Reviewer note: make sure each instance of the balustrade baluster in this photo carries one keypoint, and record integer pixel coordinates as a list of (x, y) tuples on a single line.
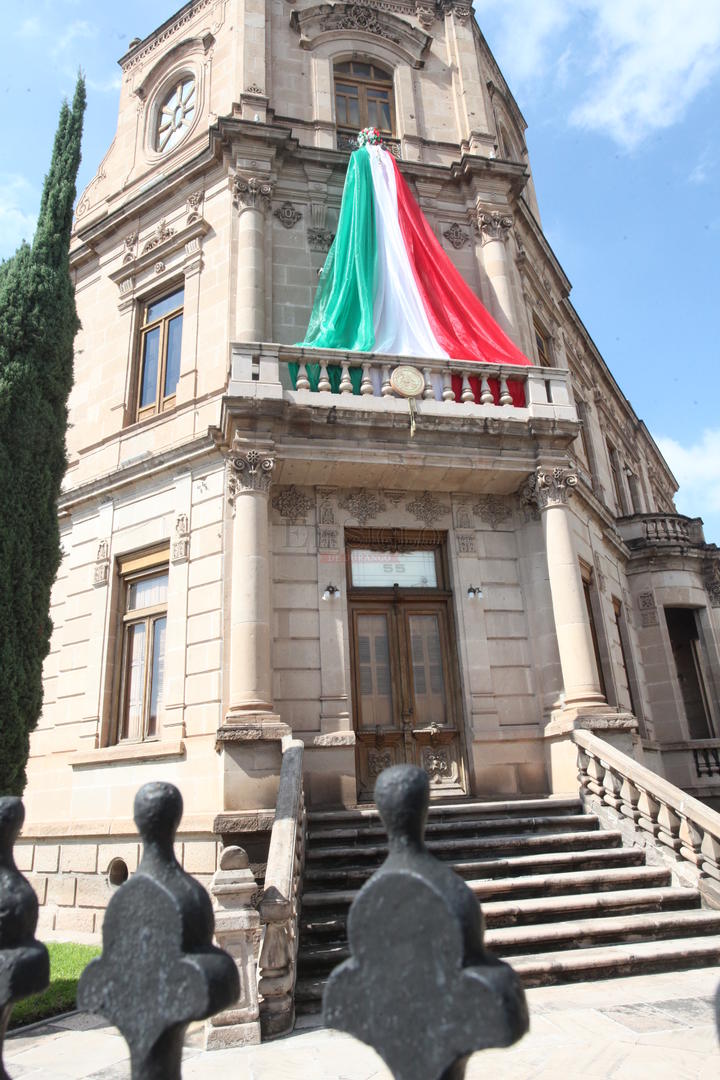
[(324, 381), (612, 784), (505, 395), (669, 827), (448, 393), (302, 382), (486, 395), (386, 390), (345, 380), (690, 838), (366, 386), (429, 391), (649, 809), (467, 396)]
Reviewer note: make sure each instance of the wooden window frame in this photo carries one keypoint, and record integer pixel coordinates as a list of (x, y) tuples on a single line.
[(133, 568), (363, 84), (544, 354), (161, 403)]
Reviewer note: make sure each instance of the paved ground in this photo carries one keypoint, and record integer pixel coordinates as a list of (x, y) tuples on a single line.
[(658, 1026)]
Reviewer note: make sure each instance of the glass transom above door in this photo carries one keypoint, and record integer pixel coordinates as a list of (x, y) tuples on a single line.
[(383, 569)]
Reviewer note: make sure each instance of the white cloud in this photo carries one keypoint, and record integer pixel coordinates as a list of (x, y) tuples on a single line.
[(638, 64), (697, 470), (104, 86), (79, 30), (30, 28), (16, 222), (704, 168)]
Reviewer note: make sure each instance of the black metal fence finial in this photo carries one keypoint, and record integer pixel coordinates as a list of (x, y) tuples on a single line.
[(419, 986), (158, 970), (24, 962)]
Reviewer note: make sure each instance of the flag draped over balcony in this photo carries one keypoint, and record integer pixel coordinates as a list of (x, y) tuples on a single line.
[(388, 286)]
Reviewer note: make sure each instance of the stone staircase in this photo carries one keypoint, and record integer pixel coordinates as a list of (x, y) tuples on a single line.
[(563, 899)]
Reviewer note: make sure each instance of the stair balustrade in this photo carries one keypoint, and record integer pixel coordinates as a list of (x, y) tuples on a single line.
[(653, 808), (279, 905)]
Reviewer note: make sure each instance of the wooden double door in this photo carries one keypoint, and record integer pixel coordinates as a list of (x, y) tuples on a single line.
[(406, 689)]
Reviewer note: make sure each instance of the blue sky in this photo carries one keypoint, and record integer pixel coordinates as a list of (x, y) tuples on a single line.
[(621, 98)]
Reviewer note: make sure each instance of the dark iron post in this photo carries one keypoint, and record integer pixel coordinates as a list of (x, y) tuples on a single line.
[(419, 986), (24, 962), (159, 969)]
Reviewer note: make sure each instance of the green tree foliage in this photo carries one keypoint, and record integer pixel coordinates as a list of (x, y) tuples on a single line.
[(38, 322)]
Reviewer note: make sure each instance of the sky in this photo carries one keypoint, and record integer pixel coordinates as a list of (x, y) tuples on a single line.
[(621, 98)]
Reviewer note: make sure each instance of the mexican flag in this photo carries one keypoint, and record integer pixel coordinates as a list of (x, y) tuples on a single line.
[(388, 286)]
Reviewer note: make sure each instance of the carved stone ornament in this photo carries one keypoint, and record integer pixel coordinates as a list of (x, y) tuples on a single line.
[(378, 760), (426, 508), (101, 569), (490, 224), (160, 266), (380, 18), (362, 505), (553, 487), (456, 236), (355, 17), (250, 470), (181, 543), (192, 206), (130, 245), (648, 609), (426, 13), (287, 215), (600, 578), (328, 538), (493, 509), (251, 192), (712, 582), (466, 543), (326, 514), (162, 233), (292, 504), (253, 88), (320, 239)]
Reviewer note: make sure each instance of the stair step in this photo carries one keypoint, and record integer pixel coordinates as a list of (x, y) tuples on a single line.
[(612, 961), (545, 804), (612, 877), (476, 826), (489, 868), (511, 842)]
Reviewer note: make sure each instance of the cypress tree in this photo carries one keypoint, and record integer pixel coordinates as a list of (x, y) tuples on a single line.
[(38, 323)]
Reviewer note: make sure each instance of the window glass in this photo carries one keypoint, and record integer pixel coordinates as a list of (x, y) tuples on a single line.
[(375, 684), (161, 307), (383, 569), (147, 592), (150, 360), (157, 675), (176, 114), (427, 669), (172, 367), (134, 682)]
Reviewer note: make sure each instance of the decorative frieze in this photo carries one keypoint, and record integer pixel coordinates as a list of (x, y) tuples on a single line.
[(362, 505), (426, 508), (493, 509), (250, 470), (162, 233), (320, 239), (456, 236), (181, 542), (101, 569), (287, 215), (553, 487), (292, 504), (251, 192)]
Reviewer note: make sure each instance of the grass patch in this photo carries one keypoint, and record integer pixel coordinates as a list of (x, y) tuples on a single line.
[(67, 963)]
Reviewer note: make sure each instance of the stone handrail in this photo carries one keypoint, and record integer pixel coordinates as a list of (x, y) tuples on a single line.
[(279, 904), (262, 370), (641, 530), (684, 825)]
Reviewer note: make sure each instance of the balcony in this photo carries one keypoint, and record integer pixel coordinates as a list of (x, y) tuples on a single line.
[(661, 531), (360, 383)]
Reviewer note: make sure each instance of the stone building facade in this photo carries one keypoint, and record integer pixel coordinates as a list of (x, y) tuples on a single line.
[(235, 544)]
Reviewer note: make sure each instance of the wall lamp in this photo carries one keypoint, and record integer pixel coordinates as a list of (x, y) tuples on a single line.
[(474, 593), (331, 591)]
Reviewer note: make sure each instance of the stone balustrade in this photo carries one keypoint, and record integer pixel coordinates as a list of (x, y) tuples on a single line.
[(651, 807), (279, 905), (651, 530), (362, 381)]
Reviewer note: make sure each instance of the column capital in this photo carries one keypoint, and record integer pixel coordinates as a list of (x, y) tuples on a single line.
[(249, 470), (553, 487), (490, 224), (251, 192)]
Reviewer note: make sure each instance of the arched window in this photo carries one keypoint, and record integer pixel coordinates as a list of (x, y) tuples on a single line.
[(363, 97)]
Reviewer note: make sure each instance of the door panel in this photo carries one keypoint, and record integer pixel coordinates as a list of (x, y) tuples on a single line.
[(404, 691)]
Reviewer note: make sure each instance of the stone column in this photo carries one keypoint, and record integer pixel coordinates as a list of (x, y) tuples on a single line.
[(552, 488), (493, 228), (251, 197), (250, 614)]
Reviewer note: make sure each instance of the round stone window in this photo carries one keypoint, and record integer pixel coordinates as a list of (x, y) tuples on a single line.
[(175, 115)]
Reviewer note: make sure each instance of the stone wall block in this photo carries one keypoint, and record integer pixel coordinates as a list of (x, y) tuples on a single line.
[(75, 920), (61, 890), (93, 891), (81, 858), (47, 858)]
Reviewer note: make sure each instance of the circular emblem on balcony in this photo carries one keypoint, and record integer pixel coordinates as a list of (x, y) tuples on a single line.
[(407, 381)]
